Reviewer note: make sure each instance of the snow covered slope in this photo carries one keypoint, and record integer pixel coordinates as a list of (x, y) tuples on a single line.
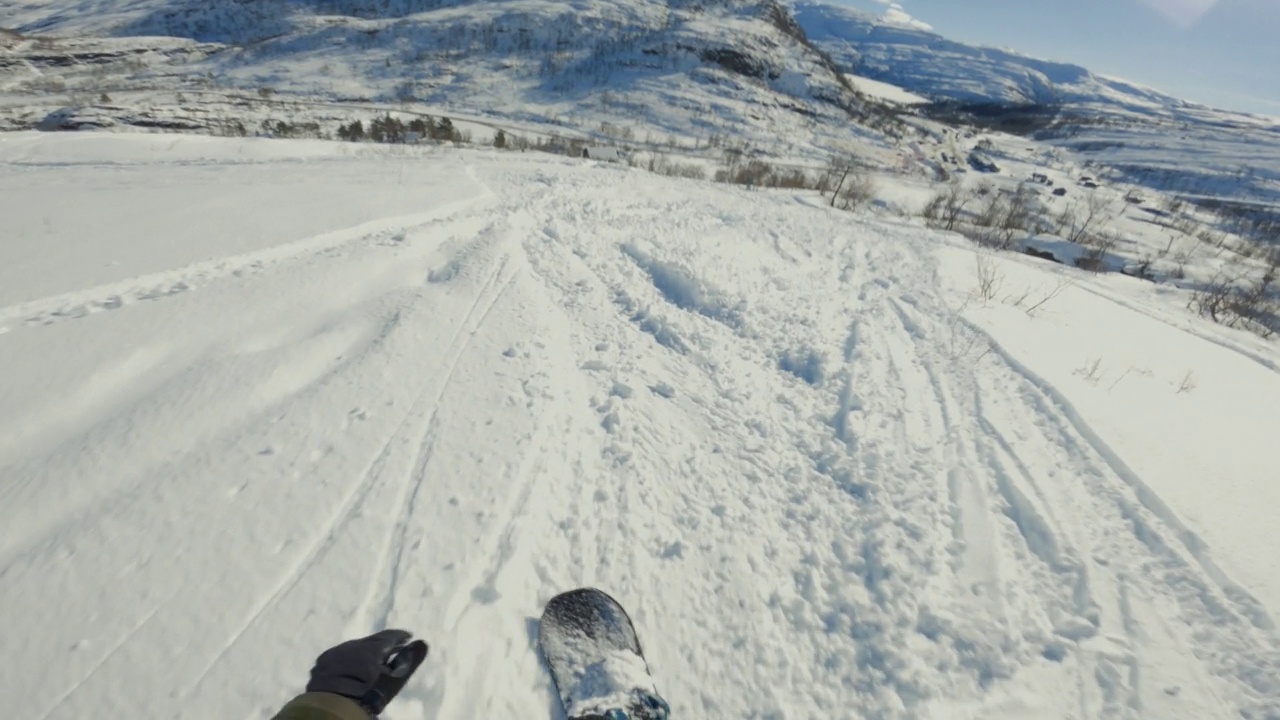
[(311, 389)]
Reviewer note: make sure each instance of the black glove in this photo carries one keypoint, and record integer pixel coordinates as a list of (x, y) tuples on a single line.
[(370, 670)]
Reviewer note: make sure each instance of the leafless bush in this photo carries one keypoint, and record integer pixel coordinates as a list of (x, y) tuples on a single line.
[(663, 165), (1099, 245), (856, 191), (758, 173), (1058, 289), (1002, 218), (1188, 383), (1079, 222), (947, 206), (989, 280), (1238, 298), (47, 84), (1091, 371)]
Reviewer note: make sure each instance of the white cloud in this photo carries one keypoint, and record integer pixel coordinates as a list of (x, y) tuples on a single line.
[(1183, 13), (895, 15)]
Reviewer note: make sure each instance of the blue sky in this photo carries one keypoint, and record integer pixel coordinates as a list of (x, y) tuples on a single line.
[(1224, 53)]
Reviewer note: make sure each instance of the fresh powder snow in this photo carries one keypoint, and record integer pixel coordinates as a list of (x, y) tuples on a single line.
[(261, 396)]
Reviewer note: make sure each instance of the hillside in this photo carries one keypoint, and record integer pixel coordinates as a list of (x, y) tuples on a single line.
[(434, 389), (925, 62), (1148, 137), (741, 69)]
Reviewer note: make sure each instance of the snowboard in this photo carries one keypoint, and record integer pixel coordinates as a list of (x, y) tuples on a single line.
[(595, 659)]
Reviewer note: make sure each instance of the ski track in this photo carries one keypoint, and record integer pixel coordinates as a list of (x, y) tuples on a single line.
[(158, 286), (914, 520), (392, 555)]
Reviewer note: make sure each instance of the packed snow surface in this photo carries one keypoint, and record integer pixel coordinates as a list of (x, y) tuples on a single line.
[(261, 396)]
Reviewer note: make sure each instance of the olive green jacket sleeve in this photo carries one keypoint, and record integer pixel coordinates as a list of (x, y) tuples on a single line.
[(321, 706)]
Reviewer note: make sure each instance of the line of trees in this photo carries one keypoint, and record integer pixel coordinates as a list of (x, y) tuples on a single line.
[(389, 129)]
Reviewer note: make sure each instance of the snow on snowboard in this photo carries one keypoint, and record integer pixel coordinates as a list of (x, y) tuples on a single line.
[(595, 659)]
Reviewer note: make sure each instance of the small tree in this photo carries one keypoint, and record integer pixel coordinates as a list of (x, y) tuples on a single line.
[(839, 167), (1079, 224), (857, 190), (395, 130), (1004, 217), (377, 130), (945, 208), (353, 132), (443, 130), (500, 140)]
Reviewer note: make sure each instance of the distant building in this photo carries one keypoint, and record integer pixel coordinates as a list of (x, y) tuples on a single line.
[(605, 154)]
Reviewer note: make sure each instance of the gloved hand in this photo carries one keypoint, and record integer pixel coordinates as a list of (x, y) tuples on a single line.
[(370, 670)]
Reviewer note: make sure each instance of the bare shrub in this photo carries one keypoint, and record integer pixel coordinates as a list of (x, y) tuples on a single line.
[(1187, 384), (1238, 298), (793, 179), (1057, 290), (1099, 247), (1002, 218), (857, 191), (1078, 222), (758, 173), (989, 280), (1091, 371), (946, 207), (663, 165)]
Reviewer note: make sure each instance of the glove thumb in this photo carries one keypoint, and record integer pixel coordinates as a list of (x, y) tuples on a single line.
[(396, 671)]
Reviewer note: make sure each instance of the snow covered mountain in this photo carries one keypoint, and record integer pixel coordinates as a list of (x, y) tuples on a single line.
[(1149, 137), (927, 63), (689, 68)]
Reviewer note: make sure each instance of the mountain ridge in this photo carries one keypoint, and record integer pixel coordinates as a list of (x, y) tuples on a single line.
[(928, 63), (769, 77)]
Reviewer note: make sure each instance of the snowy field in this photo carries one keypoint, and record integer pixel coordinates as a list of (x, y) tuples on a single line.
[(260, 396)]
